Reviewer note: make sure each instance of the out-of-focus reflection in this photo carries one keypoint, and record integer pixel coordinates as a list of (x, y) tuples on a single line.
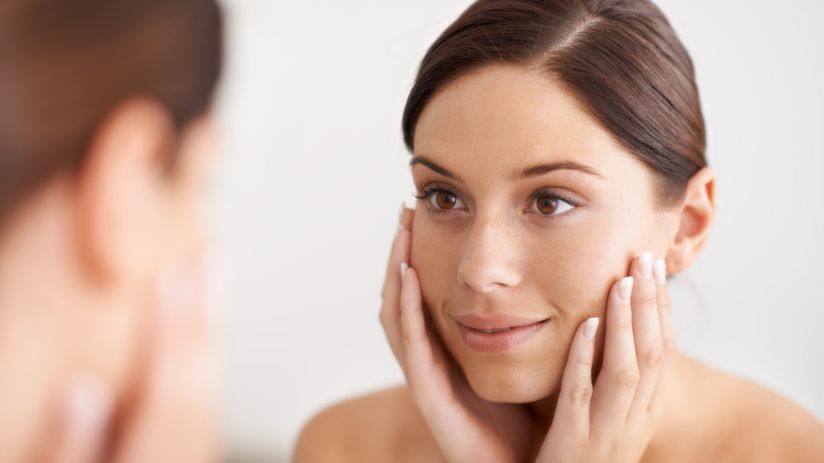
[(106, 136)]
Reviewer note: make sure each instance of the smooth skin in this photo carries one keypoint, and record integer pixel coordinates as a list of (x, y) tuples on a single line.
[(436, 417), (529, 207), (614, 420)]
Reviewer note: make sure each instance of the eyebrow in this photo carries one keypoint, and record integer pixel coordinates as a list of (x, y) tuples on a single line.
[(424, 161), (542, 169), (533, 171)]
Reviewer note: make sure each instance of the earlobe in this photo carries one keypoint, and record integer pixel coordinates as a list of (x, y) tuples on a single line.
[(117, 187), (696, 214)]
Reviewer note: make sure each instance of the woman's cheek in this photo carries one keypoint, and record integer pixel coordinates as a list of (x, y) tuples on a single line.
[(430, 256), (584, 267)]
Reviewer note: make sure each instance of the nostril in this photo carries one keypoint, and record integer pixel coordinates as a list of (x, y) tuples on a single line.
[(488, 279)]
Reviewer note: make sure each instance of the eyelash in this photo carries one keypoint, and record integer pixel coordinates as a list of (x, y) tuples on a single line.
[(427, 192)]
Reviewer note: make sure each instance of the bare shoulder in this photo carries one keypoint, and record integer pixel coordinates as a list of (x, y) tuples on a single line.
[(780, 427), (762, 425), (382, 426)]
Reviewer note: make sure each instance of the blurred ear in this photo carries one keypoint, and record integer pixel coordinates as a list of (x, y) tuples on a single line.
[(121, 189), (695, 213)]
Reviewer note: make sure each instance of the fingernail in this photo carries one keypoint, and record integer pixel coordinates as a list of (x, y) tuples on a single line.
[(403, 209), (404, 266), (660, 271), (625, 288), (645, 265), (590, 327), (87, 408)]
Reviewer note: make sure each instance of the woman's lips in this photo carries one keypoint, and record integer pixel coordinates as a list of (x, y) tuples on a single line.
[(498, 333)]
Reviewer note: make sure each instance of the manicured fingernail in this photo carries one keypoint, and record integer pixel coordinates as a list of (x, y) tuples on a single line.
[(645, 265), (590, 327), (404, 266), (659, 269), (87, 408), (625, 288)]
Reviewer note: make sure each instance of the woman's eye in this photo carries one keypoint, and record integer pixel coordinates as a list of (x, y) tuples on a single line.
[(552, 205), (441, 199)]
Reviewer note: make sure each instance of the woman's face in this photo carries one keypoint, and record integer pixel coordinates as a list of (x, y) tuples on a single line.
[(529, 210)]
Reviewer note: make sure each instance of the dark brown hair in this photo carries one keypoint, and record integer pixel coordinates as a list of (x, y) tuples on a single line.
[(65, 64), (621, 58)]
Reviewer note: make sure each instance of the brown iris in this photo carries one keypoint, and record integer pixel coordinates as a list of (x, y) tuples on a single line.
[(547, 205), (445, 200)]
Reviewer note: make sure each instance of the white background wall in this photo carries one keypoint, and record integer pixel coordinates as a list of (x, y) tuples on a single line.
[(314, 171)]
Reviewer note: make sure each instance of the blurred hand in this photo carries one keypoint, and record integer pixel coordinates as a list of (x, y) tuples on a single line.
[(172, 416)]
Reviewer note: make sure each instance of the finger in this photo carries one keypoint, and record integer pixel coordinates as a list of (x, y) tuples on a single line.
[(668, 339), (175, 415), (428, 378), (392, 276), (390, 307), (619, 374), (647, 331), (426, 372), (81, 428), (572, 411)]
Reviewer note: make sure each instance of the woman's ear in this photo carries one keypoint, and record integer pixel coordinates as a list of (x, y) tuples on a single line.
[(695, 215), (120, 190)]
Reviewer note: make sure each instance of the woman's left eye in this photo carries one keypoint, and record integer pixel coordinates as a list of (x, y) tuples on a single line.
[(552, 205)]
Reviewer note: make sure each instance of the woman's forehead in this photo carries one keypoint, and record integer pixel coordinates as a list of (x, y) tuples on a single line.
[(508, 118)]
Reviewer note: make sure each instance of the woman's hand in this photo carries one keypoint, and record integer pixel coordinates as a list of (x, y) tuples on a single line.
[(611, 422), (466, 427), (173, 413), (614, 421)]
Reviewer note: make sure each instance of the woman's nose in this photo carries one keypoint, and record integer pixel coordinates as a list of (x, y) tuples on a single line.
[(489, 262)]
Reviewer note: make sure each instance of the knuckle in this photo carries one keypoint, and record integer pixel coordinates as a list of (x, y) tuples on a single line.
[(647, 299), (653, 357), (583, 360), (624, 326), (628, 377), (409, 337), (581, 394)]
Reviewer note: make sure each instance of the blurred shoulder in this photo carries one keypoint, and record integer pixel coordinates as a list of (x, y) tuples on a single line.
[(381, 426)]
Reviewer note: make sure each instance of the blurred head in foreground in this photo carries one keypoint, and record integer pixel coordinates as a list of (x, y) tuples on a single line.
[(105, 142)]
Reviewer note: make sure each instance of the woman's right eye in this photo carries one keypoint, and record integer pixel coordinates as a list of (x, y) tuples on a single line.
[(443, 200)]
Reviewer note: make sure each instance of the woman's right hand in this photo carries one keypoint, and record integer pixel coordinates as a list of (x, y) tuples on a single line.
[(467, 428)]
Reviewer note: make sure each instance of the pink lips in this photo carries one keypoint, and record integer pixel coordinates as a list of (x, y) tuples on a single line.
[(494, 334)]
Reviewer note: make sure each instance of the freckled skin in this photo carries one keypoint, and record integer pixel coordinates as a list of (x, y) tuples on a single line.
[(483, 127), (494, 253)]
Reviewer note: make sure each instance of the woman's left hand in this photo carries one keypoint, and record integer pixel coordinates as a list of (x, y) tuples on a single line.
[(614, 420)]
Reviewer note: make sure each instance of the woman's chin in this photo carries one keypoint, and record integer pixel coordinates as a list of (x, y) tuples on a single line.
[(511, 387)]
